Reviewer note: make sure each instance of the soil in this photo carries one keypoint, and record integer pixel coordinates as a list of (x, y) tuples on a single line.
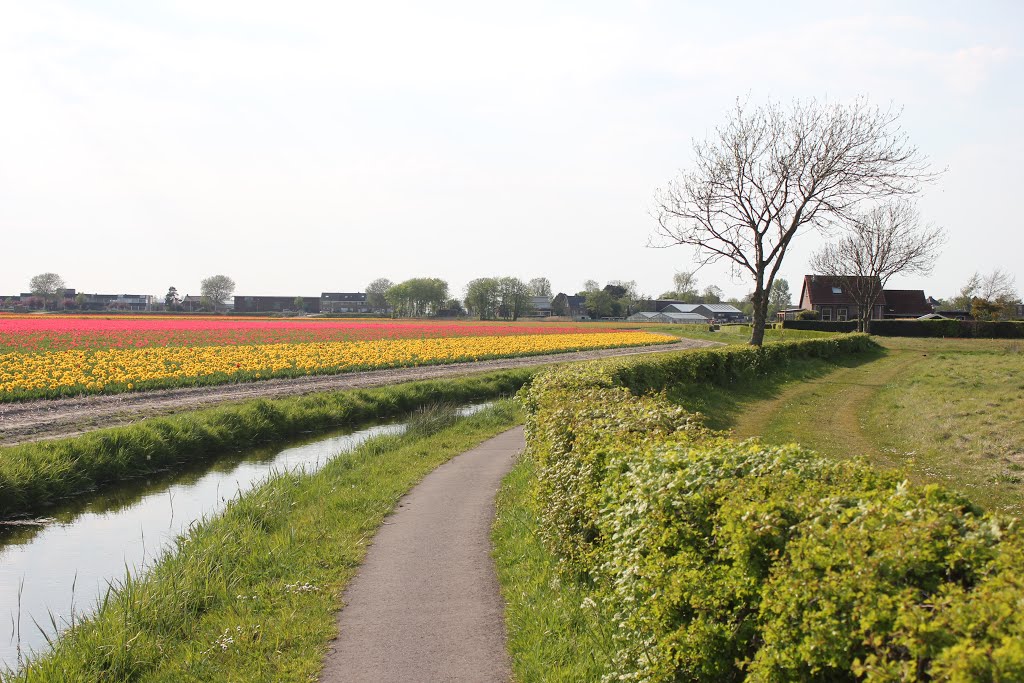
[(59, 418)]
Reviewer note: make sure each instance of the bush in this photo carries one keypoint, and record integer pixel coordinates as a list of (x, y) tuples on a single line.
[(983, 329), (821, 325), (808, 315), (733, 561)]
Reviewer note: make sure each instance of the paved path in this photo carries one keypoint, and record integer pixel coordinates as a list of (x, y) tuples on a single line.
[(425, 605)]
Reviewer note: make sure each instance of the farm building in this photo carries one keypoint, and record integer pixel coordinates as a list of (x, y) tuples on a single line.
[(344, 302), (275, 304), (668, 316)]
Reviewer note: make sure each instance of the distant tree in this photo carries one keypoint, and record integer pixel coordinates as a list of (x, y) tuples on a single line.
[(417, 297), (780, 298), (989, 297), (171, 300), (712, 295), (591, 286), (482, 297), (376, 293), (601, 304), (80, 300), (514, 298), (47, 286), (560, 304), (217, 289), (887, 240), (539, 286), (299, 303), (770, 173), (455, 307)]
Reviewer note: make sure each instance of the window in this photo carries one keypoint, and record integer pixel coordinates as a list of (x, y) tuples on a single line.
[(837, 290), (826, 313), (841, 313)]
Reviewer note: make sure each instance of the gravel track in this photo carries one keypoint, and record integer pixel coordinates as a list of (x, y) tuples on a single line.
[(58, 418)]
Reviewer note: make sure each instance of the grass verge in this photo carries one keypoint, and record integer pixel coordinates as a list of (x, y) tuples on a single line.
[(251, 595), (554, 632), (35, 476)]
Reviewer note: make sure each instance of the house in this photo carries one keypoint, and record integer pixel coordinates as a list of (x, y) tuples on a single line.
[(830, 297), (540, 306), (570, 305), (192, 303), (344, 302), (1019, 313), (274, 304), (906, 303)]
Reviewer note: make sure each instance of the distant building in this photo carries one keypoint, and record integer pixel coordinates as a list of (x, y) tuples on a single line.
[(275, 304), (540, 306), (720, 313), (669, 316), (344, 302), (572, 306)]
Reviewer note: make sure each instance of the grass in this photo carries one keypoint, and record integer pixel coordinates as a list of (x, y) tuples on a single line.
[(553, 634), (37, 475), (252, 595), (944, 411)]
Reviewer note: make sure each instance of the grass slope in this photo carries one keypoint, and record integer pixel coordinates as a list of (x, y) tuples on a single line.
[(948, 411), (553, 635), (252, 595)]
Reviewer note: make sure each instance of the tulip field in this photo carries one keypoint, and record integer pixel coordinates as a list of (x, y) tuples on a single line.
[(46, 357)]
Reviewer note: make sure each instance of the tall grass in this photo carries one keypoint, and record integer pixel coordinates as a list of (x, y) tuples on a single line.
[(252, 595), (35, 476)]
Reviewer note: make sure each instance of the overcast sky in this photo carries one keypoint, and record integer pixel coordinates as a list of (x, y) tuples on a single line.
[(304, 147)]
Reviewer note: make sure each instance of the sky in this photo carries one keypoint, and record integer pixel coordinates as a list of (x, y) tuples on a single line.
[(305, 147)]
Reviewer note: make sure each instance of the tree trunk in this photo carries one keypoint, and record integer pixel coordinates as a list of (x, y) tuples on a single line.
[(760, 318)]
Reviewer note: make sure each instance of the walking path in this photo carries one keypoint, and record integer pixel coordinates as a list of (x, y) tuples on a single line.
[(425, 605)]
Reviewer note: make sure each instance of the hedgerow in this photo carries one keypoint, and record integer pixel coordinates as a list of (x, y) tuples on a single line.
[(727, 561)]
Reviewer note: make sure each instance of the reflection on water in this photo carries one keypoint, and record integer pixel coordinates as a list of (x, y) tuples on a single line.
[(60, 568)]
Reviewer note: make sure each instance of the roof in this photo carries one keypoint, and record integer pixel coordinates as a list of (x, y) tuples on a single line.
[(540, 302), (680, 308), (574, 300), (721, 308), (643, 315), (909, 302), (823, 289), (689, 317)]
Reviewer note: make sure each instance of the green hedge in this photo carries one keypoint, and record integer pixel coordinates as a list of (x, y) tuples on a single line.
[(821, 325), (984, 329), (727, 561)]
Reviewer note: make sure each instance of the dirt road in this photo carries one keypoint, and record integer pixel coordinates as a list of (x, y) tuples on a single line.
[(57, 418)]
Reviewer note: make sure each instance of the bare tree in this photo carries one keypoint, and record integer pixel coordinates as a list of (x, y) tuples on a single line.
[(769, 172), (540, 286), (218, 289), (887, 240), (47, 286)]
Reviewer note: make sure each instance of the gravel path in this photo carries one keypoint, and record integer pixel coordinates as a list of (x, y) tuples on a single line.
[(425, 604), (57, 418)]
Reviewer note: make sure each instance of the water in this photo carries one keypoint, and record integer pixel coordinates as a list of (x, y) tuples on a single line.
[(55, 572)]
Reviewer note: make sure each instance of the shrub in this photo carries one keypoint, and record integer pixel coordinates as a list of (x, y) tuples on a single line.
[(733, 561), (984, 329)]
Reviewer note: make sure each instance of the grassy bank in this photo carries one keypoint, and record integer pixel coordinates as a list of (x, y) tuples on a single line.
[(35, 476), (251, 595), (554, 632), (730, 334)]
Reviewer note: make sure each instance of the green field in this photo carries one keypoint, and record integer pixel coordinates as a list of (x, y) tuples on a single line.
[(948, 411)]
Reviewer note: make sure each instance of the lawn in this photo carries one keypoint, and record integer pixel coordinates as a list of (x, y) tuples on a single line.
[(947, 411)]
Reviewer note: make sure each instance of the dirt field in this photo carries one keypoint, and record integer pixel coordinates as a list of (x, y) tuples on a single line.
[(52, 419)]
